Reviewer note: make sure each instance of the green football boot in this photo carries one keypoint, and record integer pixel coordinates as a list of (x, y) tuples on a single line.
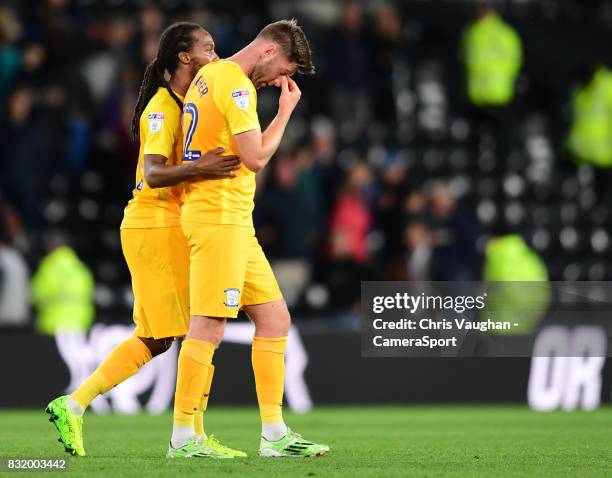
[(69, 425), (291, 445), (195, 447), (214, 444)]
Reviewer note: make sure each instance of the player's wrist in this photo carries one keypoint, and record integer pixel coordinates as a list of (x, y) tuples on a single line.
[(284, 112), (190, 169)]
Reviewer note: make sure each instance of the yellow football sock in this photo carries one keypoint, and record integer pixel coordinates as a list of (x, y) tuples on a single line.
[(198, 418), (193, 369), (268, 357), (123, 362)]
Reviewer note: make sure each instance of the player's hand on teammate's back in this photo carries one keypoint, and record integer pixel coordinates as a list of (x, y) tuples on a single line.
[(213, 165), (290, 95)]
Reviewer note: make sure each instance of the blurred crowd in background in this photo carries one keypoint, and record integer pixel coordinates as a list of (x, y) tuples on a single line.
[(436, 138)]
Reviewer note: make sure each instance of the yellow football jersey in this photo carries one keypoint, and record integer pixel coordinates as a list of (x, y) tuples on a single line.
[(220, 103), (160, 133)]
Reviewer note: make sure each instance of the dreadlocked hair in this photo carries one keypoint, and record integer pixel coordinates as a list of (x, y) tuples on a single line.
[(175, 39)]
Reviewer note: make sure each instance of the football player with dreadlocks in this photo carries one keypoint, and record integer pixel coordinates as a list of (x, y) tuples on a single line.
[(153, 243)]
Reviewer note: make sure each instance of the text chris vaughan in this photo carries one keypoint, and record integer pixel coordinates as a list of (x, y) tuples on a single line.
[(444, 324)]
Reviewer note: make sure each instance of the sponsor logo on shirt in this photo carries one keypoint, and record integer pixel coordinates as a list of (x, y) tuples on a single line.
[(155, 121), (241, 97)]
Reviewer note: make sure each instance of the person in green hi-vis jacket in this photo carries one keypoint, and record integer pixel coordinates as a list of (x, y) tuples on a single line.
[(493, 57), (590, 136), (518, 287), (62, 292)]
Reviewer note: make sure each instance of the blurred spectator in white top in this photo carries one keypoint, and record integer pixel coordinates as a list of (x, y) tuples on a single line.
[(418, 242), (14, 281)]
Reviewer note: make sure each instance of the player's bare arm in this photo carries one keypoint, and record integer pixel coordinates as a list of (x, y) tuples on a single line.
[(211, 165), (256, 148)]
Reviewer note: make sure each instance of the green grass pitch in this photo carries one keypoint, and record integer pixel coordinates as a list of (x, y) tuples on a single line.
[(365, 441)]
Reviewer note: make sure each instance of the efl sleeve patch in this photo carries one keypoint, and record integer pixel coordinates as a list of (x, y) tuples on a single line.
[(241, 98), (155, 121)]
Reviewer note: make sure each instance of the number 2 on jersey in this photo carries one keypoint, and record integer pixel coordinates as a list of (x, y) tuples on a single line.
[(189, 154)]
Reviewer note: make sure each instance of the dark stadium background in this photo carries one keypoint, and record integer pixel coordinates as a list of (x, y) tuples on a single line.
[(384, 144)]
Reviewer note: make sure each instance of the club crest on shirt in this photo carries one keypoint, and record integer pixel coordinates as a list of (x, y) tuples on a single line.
[(241, 97), (232, 297), (155, 121)]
